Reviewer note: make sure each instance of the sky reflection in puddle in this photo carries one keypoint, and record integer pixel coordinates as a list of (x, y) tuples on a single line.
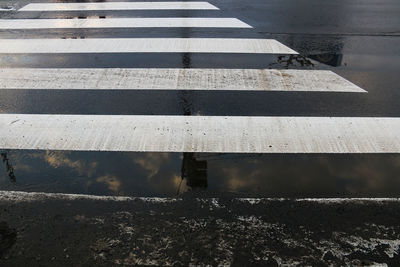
[(160, 174)]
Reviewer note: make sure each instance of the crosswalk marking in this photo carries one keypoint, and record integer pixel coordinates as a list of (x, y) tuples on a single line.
[(122, 23), (175, 79), (143, 45), (173, 5), (200, 133), (6, 9), (21, 196), (211, 134)]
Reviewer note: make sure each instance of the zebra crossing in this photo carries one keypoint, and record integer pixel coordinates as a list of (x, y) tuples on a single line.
[(156, 133), (173, 5), (175, 79), (123, 23), (144, 45), (200, 134)]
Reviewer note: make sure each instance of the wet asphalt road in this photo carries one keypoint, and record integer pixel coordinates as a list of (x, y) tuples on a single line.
[(359, 40), (193, 230)]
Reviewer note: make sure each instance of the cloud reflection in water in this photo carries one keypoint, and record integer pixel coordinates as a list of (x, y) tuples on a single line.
[(160, 174)]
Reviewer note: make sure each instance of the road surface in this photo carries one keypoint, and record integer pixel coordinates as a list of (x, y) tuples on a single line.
[(199, 132)]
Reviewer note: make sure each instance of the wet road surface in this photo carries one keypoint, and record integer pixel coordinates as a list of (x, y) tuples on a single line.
[(357, 40), (86, 230), (364, 51)]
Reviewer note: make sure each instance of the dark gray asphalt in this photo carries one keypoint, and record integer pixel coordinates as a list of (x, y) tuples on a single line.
[(82, 231), (357, 39)]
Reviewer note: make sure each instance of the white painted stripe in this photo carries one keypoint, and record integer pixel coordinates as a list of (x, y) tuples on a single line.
[(7, 9), (21, 196), (173, 5), (122, 23), (200, 133), (254, 201), (176, 79), (143, 45)]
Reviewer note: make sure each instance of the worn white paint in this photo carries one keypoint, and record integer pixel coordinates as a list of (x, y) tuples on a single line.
[(6, 9), (122, 23), (161, 5), (143, 45), (176, 79), (21, 196), (200, 133), (336, 200)]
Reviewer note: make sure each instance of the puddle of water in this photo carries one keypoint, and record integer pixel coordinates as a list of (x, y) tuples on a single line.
[(172, 174)]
